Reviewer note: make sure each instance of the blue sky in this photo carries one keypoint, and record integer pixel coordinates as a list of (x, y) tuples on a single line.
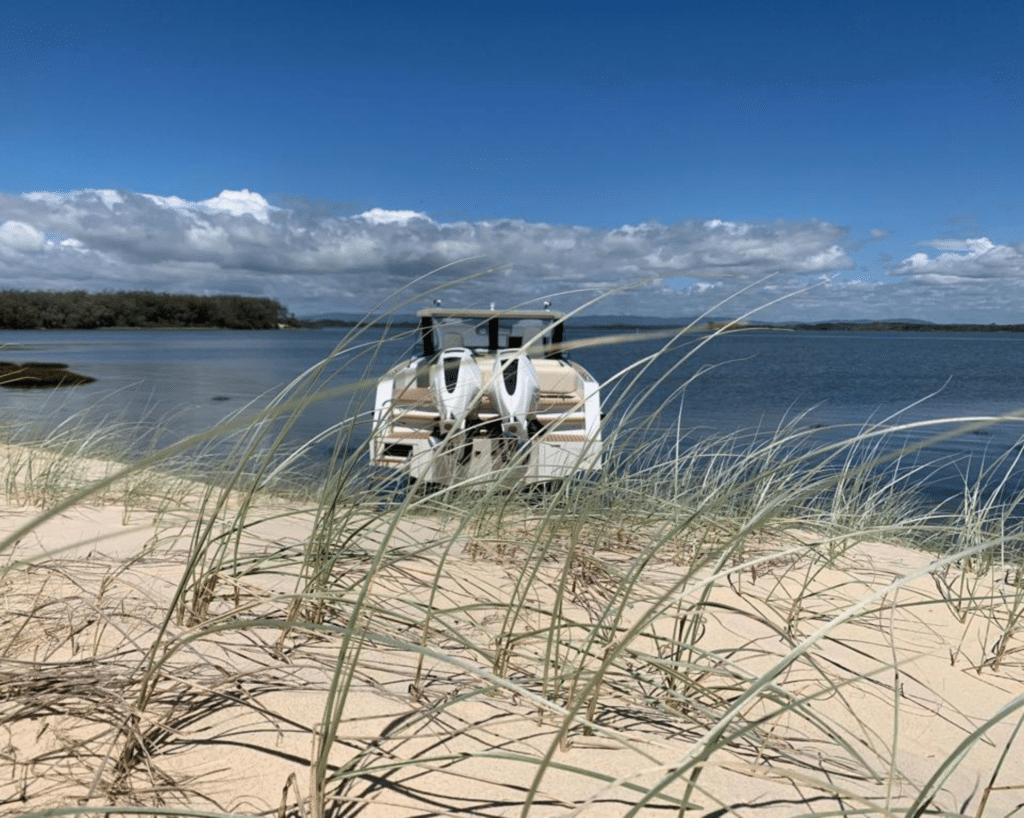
[(860, 159)]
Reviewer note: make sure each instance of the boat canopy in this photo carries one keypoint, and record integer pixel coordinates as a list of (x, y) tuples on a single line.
[(540, 332)]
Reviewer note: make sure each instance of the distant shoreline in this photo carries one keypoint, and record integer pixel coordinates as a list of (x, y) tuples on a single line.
[(820, 326), (625, 323), (896, 326)]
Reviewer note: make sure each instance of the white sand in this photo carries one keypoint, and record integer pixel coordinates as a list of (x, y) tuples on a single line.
[(229, 722)]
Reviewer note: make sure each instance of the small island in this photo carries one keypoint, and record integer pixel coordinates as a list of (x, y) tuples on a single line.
[(138, 309)]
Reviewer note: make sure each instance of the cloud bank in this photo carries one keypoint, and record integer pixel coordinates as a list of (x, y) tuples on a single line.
[(964, 261), (239, 242)]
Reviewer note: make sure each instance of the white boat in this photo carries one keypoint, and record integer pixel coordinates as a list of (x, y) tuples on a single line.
[(493, 394)]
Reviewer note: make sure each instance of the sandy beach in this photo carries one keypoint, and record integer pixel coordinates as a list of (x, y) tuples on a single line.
[(419, 661)]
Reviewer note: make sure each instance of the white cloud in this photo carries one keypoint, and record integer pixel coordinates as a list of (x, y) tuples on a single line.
[(238, 242), (240, 203), (233, 202), (380, 216), (21, 237), (729, 228), (965, 260)]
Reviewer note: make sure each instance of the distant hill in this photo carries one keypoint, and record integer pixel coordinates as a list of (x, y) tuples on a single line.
[(903, 326), (616, 321), (864, 321)]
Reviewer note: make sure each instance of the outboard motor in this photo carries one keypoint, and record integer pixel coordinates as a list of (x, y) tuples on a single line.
[(455, 385), (514, 390)]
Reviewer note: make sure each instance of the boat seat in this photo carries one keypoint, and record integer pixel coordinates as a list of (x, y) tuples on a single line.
[(558, 380), (413, 394)]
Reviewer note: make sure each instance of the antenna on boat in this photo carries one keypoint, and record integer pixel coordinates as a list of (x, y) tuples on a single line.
[(437, 302), (547, 305)]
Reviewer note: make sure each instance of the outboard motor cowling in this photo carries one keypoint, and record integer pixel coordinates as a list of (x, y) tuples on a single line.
[(514, 391), (455, 385)]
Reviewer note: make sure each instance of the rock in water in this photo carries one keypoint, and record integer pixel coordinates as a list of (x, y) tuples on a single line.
[(35, 375)]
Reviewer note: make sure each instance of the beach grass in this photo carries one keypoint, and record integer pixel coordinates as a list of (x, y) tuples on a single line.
[(751, 624)]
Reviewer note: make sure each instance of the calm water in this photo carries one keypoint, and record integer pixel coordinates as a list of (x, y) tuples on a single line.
[(181, 382)]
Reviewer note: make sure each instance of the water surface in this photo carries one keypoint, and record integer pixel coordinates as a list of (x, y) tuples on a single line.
[(181, 382)]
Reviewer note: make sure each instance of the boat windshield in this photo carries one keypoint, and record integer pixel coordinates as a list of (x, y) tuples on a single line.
[(492, 333)]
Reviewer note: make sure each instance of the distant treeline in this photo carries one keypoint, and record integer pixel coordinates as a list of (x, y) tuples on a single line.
[(82, 310)]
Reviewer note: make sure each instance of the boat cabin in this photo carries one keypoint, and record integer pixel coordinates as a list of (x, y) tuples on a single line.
[(539, 331)]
